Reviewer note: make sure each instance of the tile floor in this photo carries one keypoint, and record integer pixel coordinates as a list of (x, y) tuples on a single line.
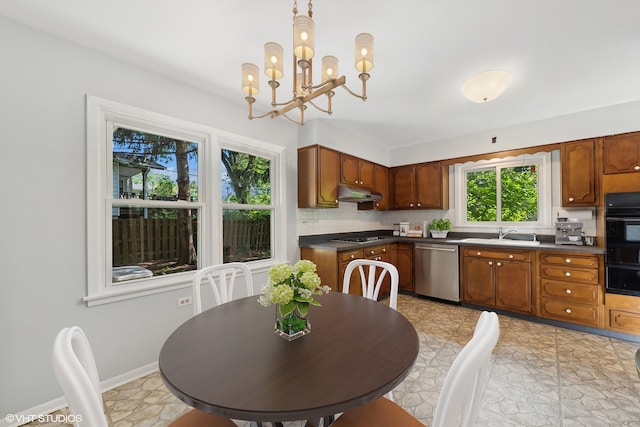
[(539, 375)]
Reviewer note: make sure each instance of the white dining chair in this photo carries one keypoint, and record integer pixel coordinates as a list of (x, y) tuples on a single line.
[(372, 275), (222, 280), (75, 368), (459, 399)]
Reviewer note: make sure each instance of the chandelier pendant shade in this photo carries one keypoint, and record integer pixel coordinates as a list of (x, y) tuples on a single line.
[(304, 91)]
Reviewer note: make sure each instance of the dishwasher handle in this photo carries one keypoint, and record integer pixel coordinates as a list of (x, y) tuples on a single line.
[(436, 248)]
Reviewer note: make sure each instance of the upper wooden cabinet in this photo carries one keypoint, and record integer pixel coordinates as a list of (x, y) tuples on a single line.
[(580, 180), (420, 186), (622, 153), (381, 185), (318, 177), (355, 171)]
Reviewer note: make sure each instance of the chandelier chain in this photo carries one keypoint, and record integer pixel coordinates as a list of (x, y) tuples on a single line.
[(310, 9), (295, 8)]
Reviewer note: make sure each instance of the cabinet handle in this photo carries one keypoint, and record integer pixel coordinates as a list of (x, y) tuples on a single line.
[(384, 249), (373, 252), (335, 201), (568, 260), (568, 274), (353, 256), (490, 262), (419, 205), (567, 310), (411, 204), (636, 168), (568, 291), (478, 253), (510, 256), (571, 199), (499, 264)]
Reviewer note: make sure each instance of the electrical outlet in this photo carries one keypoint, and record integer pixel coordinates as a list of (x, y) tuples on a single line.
[(184, 301)]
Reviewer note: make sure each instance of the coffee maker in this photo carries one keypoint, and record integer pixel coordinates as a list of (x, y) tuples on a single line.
[(568, 232)]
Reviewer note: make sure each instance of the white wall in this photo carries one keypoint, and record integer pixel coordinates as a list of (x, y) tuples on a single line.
[(43, 83), (586, 124)]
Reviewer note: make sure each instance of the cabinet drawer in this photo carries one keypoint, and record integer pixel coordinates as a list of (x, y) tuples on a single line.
[(575, 292), (583, 314), (346, 256), (375, 250), (583, 275), (495, 254), (624, 321), (586, 261)]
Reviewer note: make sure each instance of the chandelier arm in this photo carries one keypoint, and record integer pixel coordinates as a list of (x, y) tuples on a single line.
[(271, 113), (277, 104), (363, 97), (328, 111), (290, 119)]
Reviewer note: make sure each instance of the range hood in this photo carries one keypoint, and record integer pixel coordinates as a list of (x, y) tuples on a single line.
[(357, 195)]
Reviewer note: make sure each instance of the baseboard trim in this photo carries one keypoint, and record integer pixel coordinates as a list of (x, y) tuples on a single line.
[(54, 405)]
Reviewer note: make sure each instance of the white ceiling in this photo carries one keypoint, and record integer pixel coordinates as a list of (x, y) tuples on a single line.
[(565, 56)]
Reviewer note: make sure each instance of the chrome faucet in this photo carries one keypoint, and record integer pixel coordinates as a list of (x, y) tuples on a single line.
[(501, 234)]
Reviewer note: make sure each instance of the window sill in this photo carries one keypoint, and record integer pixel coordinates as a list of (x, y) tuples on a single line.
[(139, 288)]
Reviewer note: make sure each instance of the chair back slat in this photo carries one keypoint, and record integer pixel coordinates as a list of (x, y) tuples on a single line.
[(221, 279), (371, 282)]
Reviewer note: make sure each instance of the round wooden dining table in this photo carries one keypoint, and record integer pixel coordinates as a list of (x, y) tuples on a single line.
[(228, 360)]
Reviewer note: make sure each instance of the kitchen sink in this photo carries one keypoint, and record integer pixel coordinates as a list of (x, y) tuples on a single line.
[(500, 242)]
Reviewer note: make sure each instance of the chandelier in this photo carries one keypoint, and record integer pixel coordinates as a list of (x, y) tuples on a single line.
[(304, 91)]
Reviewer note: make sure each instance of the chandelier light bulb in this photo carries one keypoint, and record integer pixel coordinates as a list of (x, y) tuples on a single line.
[(329, 67), (250, 82), (364, 52)]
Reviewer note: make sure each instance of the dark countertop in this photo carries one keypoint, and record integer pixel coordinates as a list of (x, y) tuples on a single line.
[(326, 242)]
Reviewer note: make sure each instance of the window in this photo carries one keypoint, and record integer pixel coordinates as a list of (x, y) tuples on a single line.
[(155, 209), (246, 206), (504, 192)]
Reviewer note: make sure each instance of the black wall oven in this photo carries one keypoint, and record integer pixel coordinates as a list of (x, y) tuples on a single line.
[(623, 243)]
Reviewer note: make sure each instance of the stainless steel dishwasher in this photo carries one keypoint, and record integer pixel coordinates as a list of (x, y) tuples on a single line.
[(436, 271)]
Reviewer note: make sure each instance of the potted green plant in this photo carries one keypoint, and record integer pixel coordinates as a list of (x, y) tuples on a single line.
[(439, 228)]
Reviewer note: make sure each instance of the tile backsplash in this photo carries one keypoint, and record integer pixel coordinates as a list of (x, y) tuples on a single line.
[(347, 218)]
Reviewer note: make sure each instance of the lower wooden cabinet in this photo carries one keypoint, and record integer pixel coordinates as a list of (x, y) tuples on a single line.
[(402, 258), (331, 265), (622, 313), (497, 278), (571, 288)]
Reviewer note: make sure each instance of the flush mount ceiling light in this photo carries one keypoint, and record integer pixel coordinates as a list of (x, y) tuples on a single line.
[(304, 91), (486, 86)]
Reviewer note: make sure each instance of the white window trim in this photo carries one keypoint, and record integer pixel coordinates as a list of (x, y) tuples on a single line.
[(543, 162), (99, 169)]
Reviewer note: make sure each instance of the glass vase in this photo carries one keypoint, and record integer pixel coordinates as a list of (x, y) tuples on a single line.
[(292, 325)]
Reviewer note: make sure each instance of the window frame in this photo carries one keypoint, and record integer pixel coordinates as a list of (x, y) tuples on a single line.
[(543, 163), (101, 114)]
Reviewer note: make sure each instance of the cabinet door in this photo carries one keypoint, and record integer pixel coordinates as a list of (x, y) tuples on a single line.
[(318, 177), (365, 173), (621, 153), (349, 173), (328, 177), (513, 286), (579, 182), (404, 264), (428, 186), (381, 185), (404, 179), (478, 284)]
